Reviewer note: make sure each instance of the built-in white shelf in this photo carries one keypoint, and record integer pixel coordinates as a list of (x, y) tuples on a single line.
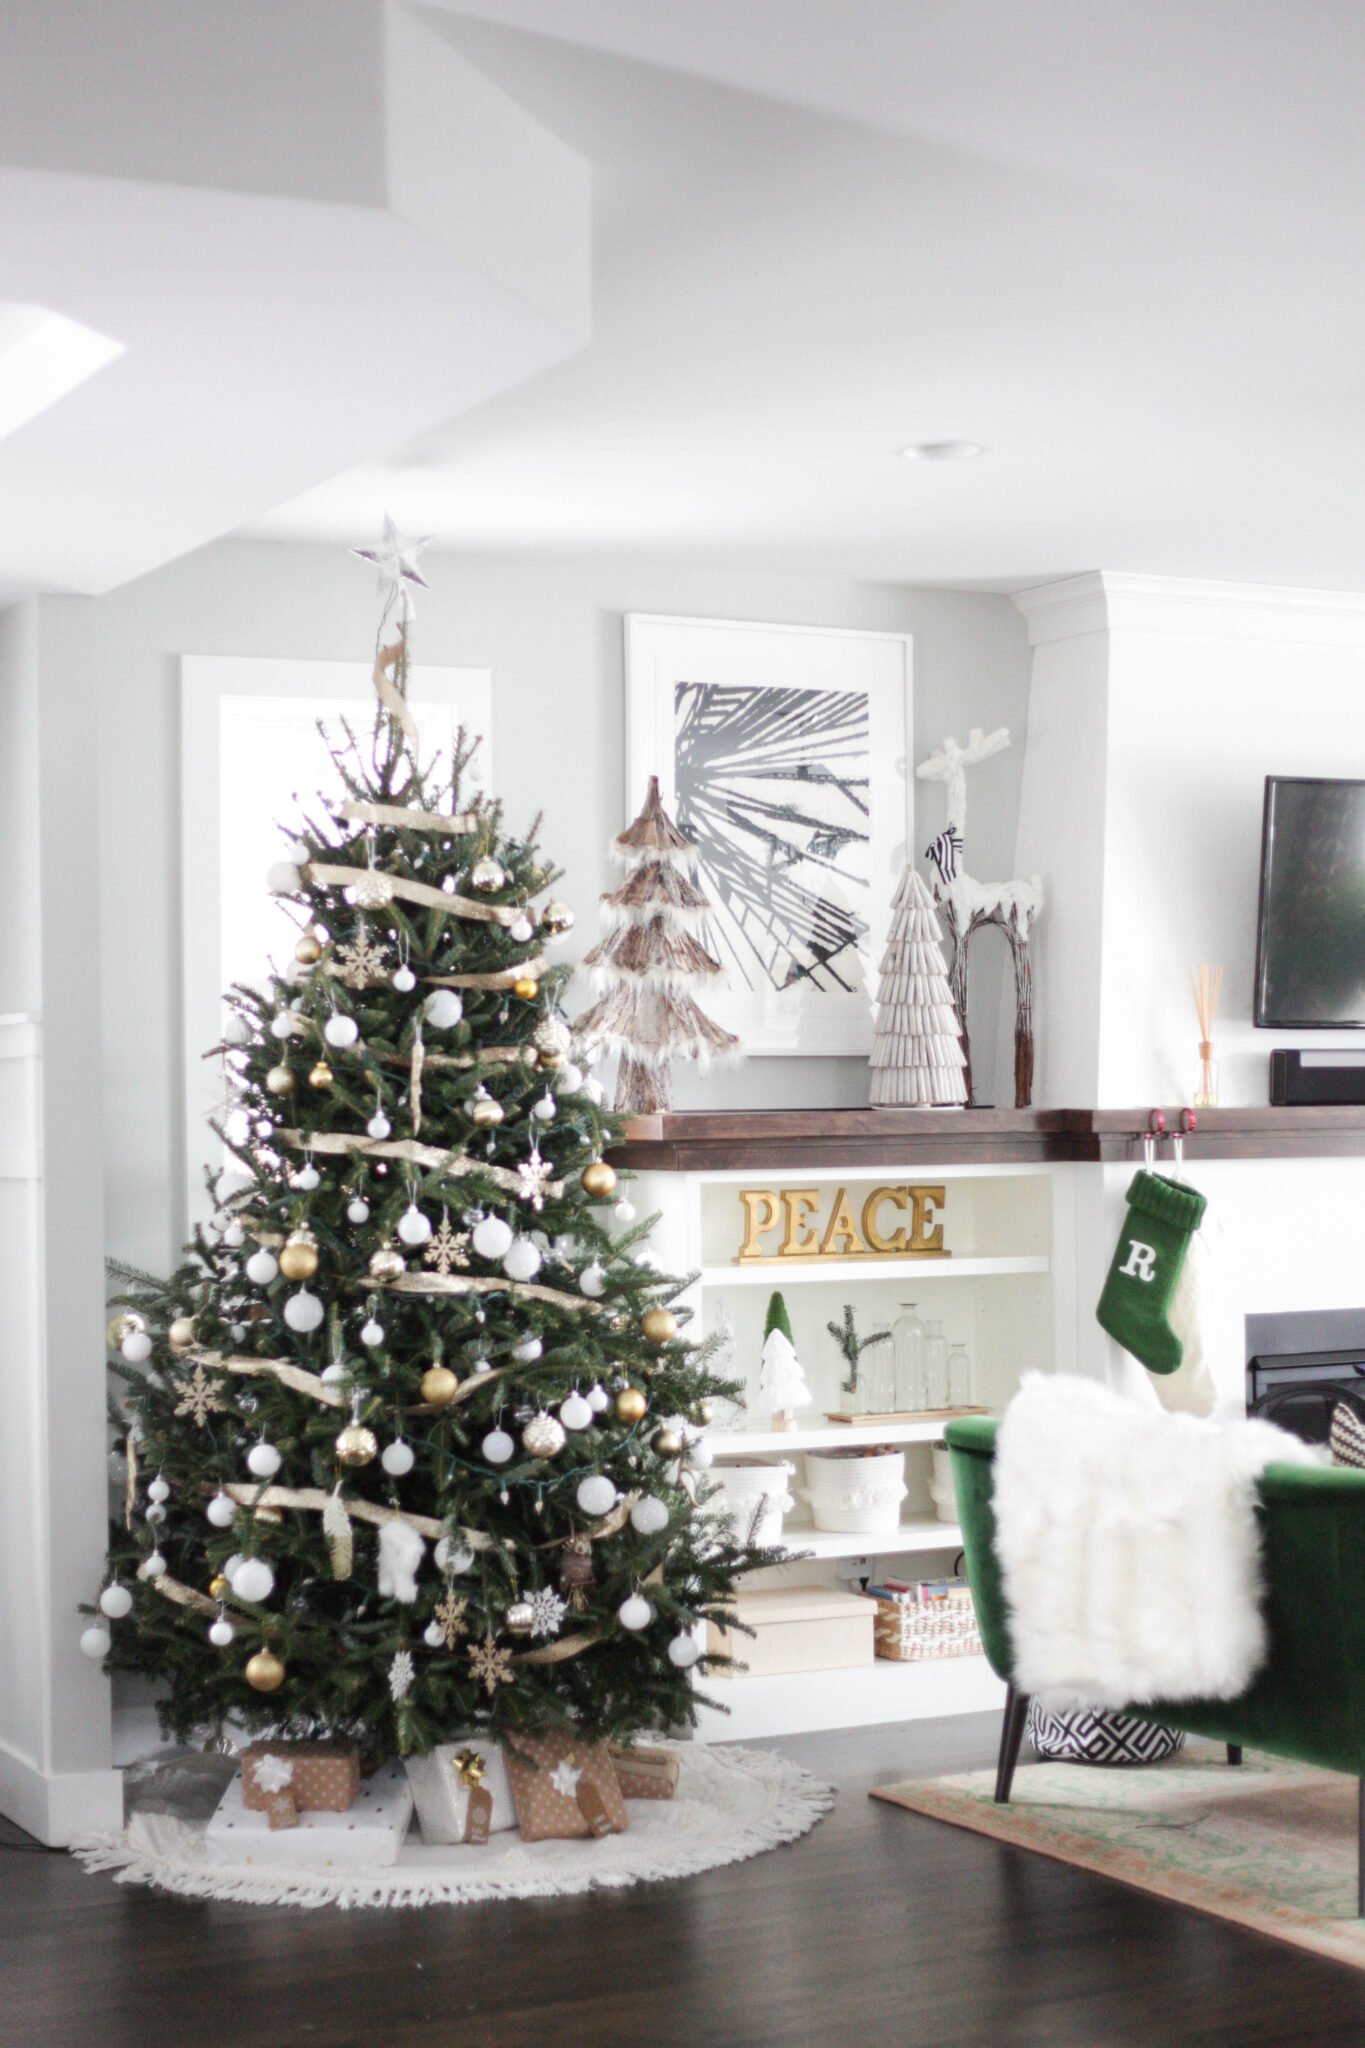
[(916, 1532), (857, 1697), (784, 1273), (752, 1443)]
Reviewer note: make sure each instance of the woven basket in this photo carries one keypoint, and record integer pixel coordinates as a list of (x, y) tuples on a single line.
[(912, 1632)]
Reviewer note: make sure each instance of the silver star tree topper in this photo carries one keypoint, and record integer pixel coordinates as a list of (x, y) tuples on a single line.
[(396, 560)]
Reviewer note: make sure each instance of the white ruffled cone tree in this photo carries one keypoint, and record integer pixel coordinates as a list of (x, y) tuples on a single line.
[(649, 962), (917, 1057), (781, 1379)]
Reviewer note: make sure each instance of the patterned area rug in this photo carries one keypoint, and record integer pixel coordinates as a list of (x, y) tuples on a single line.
[(1271, 1845), (730, 1804)]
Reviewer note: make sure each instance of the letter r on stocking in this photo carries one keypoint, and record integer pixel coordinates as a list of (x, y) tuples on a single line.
[(1141, 1261)]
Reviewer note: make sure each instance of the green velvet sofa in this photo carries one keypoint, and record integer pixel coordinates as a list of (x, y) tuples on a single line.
[(1309, 1699)]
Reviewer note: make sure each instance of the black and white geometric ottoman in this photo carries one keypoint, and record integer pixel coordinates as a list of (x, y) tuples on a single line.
[(1094, 1735)]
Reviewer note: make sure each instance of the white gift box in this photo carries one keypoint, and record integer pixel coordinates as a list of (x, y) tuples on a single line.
[(442, 1797), (367, 1837)]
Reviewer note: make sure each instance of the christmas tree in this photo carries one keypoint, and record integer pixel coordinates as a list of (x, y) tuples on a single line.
[(648, 962), (917, 1056), (780, 1375), (412, 1436)]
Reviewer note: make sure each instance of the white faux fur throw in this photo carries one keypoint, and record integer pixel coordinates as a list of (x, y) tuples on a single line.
[(1128, 1545)]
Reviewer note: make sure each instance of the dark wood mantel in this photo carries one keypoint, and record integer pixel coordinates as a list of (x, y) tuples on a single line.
[(684, 1141)]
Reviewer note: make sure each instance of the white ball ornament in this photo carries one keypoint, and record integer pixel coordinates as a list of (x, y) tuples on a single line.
[(592, 1281), (358, 1210), (282, 1026), (116, 1601), (482, 1365), (297, 850), (341, 1031), (229, 1185), (598, 1398), (222, 1511), (221, 1633), (95, 1641), (529, 1349), (379, 1125), (398, 1458), (700, 1455), (404, 980), (454, 1558), (371, 1333), (522, 1261), (136, 1347), (443, 1009), (282, 878), (254, 1580), (332, 1374), (575, 1412), (262, 1267), (569, 1079), (153, 1565), (649, 1516), (308, 1178), (433, 1635), (233, 1234), (303, 1311), (158, 1490), (596, 1494), (635, 1612), (413, 1226), (238, 1333), (235, 1032), (491, 1237), (497, 1447), (264, 1460), (625, 1210), (683, 1652), (233, 1566), (523, 931), (545, 1107)]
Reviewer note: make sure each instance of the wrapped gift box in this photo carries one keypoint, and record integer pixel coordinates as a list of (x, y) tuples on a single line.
[(644, 1771), (367, 1837), (441, 1789), (312, 1777), (563, 1787), (796, 1628)]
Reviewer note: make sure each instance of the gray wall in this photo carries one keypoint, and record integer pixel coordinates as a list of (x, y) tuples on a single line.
[(551, 632)]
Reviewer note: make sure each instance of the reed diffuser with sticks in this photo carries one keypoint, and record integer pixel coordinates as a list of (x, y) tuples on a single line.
[(1206, 982)]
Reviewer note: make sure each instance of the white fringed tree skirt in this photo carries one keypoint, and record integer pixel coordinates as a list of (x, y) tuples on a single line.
[(730, 1804)]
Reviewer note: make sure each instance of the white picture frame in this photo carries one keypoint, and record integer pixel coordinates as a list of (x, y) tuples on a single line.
[(784, 752), (248, 738)]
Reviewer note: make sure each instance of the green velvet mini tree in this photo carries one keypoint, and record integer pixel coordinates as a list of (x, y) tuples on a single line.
[(413, 1436)]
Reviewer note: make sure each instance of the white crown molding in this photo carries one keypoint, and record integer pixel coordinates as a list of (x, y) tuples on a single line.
[(1112, 601)]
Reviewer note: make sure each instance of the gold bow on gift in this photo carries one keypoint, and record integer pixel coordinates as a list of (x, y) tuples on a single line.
[(469, 1768)]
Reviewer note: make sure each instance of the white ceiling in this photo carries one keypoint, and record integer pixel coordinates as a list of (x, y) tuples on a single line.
[(1118, 241)]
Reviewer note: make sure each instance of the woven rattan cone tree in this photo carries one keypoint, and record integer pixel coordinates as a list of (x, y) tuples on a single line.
[(917, 1056), (649, 962)]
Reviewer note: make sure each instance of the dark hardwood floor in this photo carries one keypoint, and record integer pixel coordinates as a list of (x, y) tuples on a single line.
[(881, 1927)]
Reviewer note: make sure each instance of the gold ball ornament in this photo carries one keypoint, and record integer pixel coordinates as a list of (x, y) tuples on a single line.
[(308, 951), (706, 1411), (598, 1179), (660, 1325), (374, 891), (180, 1335), (552, 1035), (321, 1076), (557, 917), (666, 1443), (299, 1255), (525, 988), (280, 1080), (264, 1671), (386, 1263), (127, 1324), (544, 1435), (520, 1618), (487, 874), (439, 1386), (630, 1405), (485, 1110), (219, 1587), (357, 1445)]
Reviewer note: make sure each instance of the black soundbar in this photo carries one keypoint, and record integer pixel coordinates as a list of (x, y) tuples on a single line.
[(1299, 1078)]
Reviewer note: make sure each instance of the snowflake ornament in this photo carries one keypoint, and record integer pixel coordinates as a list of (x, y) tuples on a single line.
[(549, 1611), (490, 1665), (200, 1396), (565, 1778), (362, 963), (533, 1179), (272, 1773), (447, 1248), (401, 1675), (449, 1614)]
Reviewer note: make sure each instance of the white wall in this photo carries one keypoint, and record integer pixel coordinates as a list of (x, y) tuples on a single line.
[(551, 632)]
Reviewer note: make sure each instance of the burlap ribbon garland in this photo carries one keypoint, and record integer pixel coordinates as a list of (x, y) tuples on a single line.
[(458, 1165), (186, 1596), (292, 1376), (468, 1283), (329, 875), (502, 977), (456, 826), (389, 694)]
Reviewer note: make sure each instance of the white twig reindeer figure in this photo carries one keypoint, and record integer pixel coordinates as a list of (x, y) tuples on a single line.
[(966, 904)]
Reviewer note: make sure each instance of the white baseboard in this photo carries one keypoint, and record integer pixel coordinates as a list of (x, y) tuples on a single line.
[(60, 1808)]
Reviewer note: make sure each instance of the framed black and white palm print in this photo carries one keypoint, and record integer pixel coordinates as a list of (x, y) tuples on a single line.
[(781, 751)]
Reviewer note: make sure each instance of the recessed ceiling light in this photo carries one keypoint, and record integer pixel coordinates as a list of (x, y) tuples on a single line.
[(43, 355), (942, 451)]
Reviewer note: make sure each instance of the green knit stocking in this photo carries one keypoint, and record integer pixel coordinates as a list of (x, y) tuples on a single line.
[(1135, 1306)]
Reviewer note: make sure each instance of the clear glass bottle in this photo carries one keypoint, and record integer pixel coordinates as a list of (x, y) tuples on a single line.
[(877, 1373), (935, 1366), (908, 1333), (1206, 1081), (959, 1377)]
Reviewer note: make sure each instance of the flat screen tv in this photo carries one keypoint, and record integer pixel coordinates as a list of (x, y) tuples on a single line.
[(1310, 942)]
